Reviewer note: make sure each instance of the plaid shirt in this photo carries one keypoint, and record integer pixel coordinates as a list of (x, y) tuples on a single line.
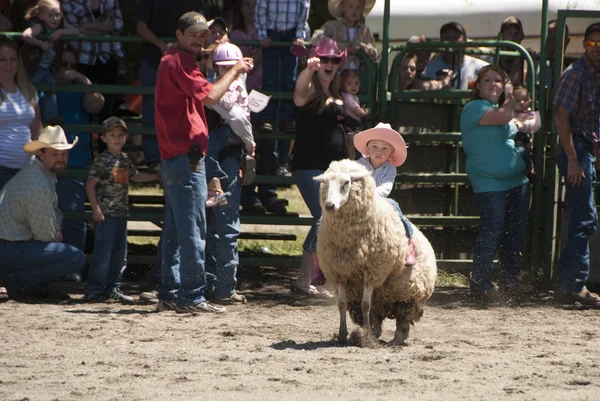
[(339, 31), (77, 13), (281, 15), (579, 93)]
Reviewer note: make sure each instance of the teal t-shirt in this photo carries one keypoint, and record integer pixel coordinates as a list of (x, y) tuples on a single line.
[(493, 162)]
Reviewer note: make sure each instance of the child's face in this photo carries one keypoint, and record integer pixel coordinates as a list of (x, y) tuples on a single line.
[(351, 85), (223, 69), (352, 10), (522, 100), (51, 17), (379, 152), (115, 139)]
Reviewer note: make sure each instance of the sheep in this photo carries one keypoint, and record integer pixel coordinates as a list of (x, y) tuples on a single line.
[(362, 246)]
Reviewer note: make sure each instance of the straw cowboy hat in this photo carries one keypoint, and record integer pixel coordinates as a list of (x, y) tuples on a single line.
[(51, 137), (383, 132), (328, 47), (334, 7)]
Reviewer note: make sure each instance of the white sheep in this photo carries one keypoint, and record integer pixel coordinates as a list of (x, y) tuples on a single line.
[(362, 247)]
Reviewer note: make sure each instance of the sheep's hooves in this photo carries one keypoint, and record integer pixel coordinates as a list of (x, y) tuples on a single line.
[(398, 343), (363, 339)]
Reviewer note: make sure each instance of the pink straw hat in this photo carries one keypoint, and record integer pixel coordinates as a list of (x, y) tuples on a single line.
[(383, 132), (329, 48)]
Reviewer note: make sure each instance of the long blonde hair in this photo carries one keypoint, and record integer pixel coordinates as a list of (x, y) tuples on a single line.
[(21, 78), (34, 12), (320, 97)]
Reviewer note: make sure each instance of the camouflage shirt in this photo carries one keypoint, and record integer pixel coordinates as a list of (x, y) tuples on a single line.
[(113, 174)]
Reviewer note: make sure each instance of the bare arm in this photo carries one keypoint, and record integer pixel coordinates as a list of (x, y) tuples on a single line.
[(503, 114), (92, 102), (145, 177), (304, 89), (359, 111), (147, 34), (36, 125), (90, 189), (575, 173), (30, 36), (220, 87)]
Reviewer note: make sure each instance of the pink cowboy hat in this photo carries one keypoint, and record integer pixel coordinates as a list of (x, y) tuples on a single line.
[(383, 132), (329, 48)]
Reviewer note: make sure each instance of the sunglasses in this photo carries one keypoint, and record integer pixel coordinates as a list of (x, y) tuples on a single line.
[(205, 56), (592, 43), (332, 60), (67, 65)]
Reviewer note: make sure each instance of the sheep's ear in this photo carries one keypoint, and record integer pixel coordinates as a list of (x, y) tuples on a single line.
[(321, 178), (357, 175)]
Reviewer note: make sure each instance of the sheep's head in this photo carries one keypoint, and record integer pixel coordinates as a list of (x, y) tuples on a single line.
[(338, 183)]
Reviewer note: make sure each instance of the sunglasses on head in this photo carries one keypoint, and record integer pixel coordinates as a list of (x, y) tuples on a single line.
[(67, 65), (332, 60), (592, 43)]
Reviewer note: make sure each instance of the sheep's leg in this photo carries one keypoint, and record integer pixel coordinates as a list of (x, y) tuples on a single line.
[(343, 307), (376, 325), (366, 306), (402, 330)]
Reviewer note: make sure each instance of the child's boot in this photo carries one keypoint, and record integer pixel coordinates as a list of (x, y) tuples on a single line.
[(216, 197), (411, 258)]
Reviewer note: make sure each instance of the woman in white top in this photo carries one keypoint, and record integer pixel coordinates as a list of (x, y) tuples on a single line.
[(19, 112)]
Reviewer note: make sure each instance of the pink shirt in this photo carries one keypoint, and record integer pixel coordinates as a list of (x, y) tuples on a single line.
[(526, 121), (350, 103), (254, 79)]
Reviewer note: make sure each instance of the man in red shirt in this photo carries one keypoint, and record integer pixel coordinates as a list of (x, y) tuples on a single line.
[(180, 95)]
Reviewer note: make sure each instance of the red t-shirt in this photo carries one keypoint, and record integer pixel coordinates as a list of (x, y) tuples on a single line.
[(179, 114)]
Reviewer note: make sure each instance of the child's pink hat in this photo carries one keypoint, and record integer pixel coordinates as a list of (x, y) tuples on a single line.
[(383, 132), (334, 8)]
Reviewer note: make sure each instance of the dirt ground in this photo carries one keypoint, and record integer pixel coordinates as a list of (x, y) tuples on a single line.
[(282, 347)]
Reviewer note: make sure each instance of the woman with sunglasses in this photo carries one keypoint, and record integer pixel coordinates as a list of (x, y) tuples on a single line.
[(320, 139)]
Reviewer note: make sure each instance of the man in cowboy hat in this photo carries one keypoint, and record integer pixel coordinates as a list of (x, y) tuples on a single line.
[(30, 236)]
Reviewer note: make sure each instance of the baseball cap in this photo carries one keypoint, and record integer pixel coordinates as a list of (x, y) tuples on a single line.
[(592, 28), (511, 21), (218, 21), (456, 26), (192, 20), (112, 122)]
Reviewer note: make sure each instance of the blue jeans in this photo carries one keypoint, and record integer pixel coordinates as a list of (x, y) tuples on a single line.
[(184, 230), (71, 198), (266, 164), (149, 142), (574, 263), (223, 224), (309, 189), (30, 265), (109, 259), (6, 174), (218, 140), (407, 226), (503, 214), (278, 77), (48, 105)]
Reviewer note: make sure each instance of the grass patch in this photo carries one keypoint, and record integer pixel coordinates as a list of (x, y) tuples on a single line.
[(445, 279)]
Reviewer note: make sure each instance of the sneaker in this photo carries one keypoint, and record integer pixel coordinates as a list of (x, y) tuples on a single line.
[(202, 307), (584, 297), (267, 126), (255, 208), (276, 207), (153, 168), (410, 259), (165, 306), (248, 169), (118, 296), (283, 171), (149, 297)]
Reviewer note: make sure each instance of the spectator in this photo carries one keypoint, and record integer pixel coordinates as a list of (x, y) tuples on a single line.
[(469, 68), (408, 76), (181, 92), (423, 57), (218, 34), (30, 238), (350, 87), (349, 31), (551, 52), (577, 100), (156, 20), (39, 55), (19, 112), (97, 60), (497, 174), (108, 191), (320, 139), (512, 30), (281, 21), (76, 107)]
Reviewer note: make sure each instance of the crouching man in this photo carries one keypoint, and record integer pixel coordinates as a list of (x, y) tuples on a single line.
[(31, 251)]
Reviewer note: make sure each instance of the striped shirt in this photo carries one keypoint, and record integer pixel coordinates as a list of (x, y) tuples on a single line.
[(384, 175), (29, 206), (281, 15), (78, 12), (579, 93), (16, 116)]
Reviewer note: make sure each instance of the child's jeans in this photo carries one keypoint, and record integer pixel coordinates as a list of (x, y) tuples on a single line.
[(48, 106), (522, 140), (407, 226), (109, 259), (218, 140)]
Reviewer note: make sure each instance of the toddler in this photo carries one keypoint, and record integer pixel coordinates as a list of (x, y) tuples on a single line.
[(233, 107), (45, 18), (349, 30), (350, 88), (108, 192), (526, 123)]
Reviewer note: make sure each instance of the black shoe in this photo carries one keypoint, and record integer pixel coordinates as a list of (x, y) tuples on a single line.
[(255, 208), (153, 168), (276, 207), (267, 126)]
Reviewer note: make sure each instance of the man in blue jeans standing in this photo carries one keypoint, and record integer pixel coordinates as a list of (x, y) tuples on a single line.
[(30, 237), (181, 128), (577, 119)]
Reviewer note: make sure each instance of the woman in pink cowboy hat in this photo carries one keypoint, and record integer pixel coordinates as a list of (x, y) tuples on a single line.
[(320, 139)]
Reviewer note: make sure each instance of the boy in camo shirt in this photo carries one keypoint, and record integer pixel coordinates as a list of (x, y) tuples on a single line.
[(108, 192)]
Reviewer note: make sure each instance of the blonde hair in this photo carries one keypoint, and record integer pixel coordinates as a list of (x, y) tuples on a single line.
[(42, 5), (21, 78)]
